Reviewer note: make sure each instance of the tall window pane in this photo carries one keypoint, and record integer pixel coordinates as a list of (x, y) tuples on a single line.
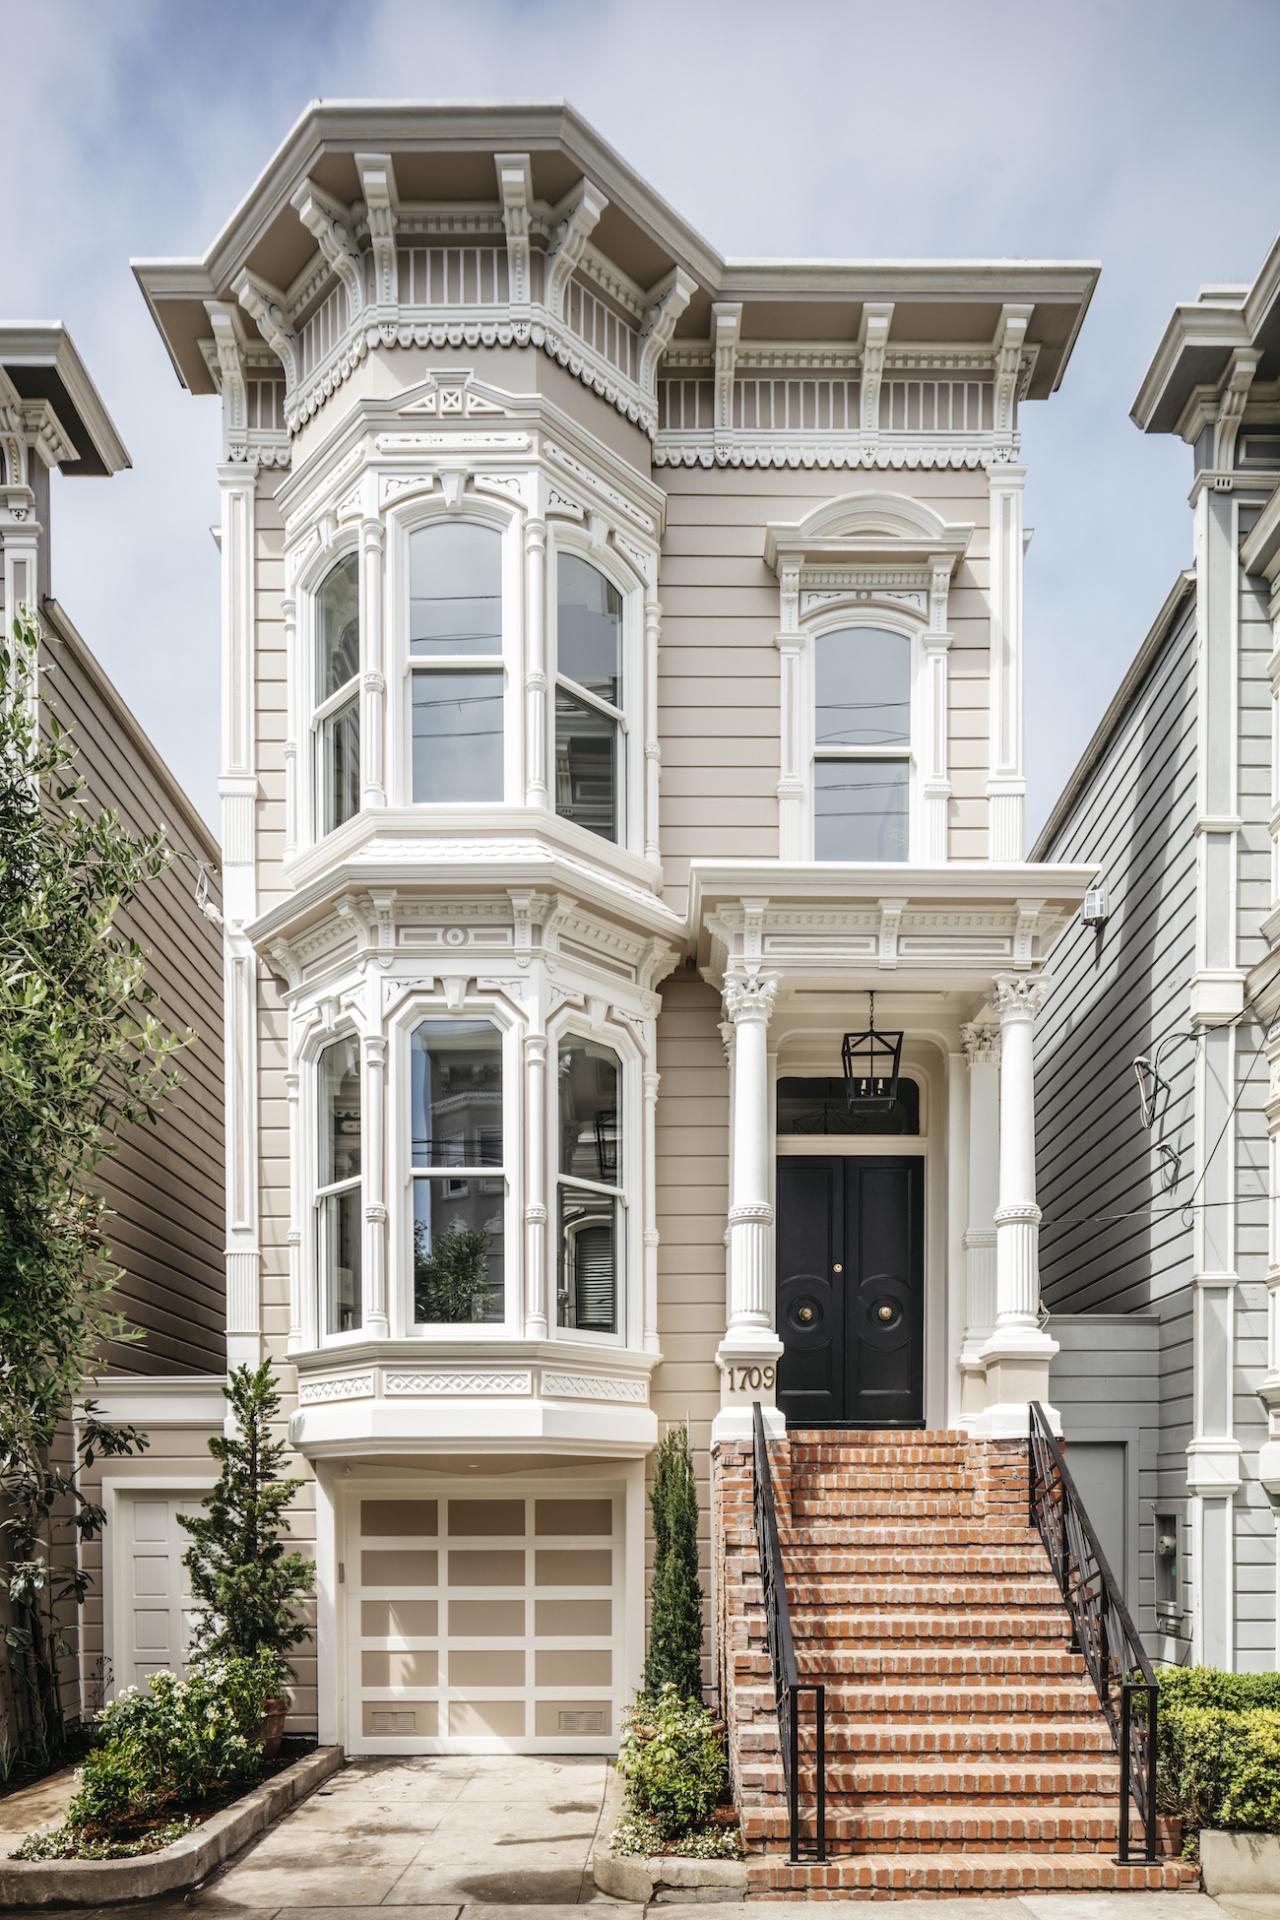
[(455, 589), (589, 732), (338, 1190), (336, 716), (863, 689), (457, 737), (589, 1191), (459, 1188), (860, 809)]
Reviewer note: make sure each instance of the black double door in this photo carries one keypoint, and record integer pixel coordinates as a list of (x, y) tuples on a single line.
[(851, 1291)]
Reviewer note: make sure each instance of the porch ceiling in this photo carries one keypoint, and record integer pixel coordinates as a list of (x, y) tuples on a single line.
[(918, 929)]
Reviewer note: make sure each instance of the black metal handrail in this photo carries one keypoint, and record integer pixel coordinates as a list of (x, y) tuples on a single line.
[(1102, 1628), (787, 1685)]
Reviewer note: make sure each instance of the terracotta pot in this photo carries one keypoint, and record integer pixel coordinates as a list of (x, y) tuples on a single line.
[(271, 1728)]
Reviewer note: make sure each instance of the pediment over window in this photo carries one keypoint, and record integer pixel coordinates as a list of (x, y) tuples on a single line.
[(861, 529)]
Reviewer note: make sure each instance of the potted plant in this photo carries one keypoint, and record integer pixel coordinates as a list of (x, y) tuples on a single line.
[(246, 1587)]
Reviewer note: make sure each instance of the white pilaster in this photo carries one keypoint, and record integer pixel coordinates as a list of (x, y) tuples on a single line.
[(1006, 780), (652, 1238), (373, 1167), (793, 775), (982, 1053), (536, 1316), (1017, 1353), (238, 790), (935, 785), (652, 744), (537, 792), (373, 683), (748, 1355)]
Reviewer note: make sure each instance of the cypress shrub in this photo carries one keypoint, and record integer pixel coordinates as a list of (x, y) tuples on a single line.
[(675, 1624)]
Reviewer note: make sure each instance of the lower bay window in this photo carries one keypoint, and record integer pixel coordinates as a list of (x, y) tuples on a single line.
[(338, 1195), (459, 1187), (588, 1187)]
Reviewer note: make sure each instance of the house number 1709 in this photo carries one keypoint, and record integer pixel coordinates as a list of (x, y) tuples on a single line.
[(751, 1379)]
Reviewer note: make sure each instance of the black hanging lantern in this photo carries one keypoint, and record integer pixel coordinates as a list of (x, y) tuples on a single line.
[(871, 1065), (606, 1132)]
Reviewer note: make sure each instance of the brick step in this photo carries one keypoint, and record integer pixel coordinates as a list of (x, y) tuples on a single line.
[(860, 1505), (905, 1702), (812, 1481), (856, 1437), (946, 1828), (948, 1595), (882, 1531), (1091, 1781), (923, 1662), (1028, 1741), (901, 1563), (888, 1876), (1015, 1628)]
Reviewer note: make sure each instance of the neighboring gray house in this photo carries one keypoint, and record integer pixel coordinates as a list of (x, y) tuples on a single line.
[(1152, 1090)]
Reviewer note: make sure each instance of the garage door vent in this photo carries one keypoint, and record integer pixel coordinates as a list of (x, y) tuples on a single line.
[(589, 1720)]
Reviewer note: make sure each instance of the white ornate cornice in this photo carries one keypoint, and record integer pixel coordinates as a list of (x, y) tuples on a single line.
[(327, 223), (659, 325), (515, 189), (265, 304), (381, 207), (571, 236), (1008, 345)]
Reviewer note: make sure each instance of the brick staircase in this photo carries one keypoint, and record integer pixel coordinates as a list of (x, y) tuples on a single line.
[(966, 1752)]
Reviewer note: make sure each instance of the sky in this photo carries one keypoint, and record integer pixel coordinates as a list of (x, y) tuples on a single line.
[(1138, 133)]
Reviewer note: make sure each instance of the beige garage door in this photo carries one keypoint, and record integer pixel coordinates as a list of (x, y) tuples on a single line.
[(153, 1588), (484, 1622)]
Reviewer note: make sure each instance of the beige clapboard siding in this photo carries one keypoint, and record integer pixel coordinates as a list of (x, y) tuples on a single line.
[(692, 1152), (163, 1183)]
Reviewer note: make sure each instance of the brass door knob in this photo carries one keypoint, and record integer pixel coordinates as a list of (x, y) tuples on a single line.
[(837, 1268), (885, 1312), (805, 1315)]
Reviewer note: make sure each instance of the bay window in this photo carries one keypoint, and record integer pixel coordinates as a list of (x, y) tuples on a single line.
[(456, 1172), (588, 699), (338, 1209), (862, 745), (589, 1186), (335, 716), (455, 660)]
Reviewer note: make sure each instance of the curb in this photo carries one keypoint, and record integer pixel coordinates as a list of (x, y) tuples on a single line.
[(659, 1879), (105, 1883)]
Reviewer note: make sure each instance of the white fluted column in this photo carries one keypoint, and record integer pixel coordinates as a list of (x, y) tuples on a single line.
[(652, 1238), (373, 682), (748, 1354), (982, 1051), (536, 1321), (536, 791), (652, 744), (373, 1162), (1016, 1356)]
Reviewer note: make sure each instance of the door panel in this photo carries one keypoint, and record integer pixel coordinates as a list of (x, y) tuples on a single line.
[(851, 1290)]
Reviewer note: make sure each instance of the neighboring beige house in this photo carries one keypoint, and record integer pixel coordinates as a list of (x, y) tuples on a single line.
[(164, 1183), (622, 680)]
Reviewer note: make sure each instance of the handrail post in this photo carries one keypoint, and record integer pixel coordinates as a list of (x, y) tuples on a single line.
[(1031, 1466), (793, 1784), (1153, 1711), (1126, 1717), (820, 1759)]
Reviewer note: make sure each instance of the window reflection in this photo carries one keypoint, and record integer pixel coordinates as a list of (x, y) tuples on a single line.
[(459, 1190), (589, 1200)]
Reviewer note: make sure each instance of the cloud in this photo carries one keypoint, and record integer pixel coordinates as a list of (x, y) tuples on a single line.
[(931, 129)]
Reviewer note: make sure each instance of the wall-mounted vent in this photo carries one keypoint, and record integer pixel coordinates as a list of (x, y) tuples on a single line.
[(1096, 910), (584, 1720)]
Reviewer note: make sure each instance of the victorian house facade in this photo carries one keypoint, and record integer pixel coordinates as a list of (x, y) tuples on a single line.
[(622, 684)]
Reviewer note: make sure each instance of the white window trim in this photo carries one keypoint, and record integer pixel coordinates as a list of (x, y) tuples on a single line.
[(631, 711), (314, 711), (850, 617), (479, 510), (629, 1190), (400, 1163)]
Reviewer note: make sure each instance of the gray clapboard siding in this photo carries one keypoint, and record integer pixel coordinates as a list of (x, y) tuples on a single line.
[(164, 1184), (1113, 1240)]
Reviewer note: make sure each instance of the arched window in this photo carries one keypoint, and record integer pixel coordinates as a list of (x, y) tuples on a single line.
[(862, 745), (589, 1187), (336, 716), (589, 725), (457, 1178), (455, 659), (338, 1208)]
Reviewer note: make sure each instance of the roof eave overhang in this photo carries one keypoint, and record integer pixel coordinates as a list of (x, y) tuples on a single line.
[(47, 344)]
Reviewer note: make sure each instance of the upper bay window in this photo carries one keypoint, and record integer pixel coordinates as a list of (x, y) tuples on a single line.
[(335, 717), (862, 744), (455, 661), (589, 725), (456, 1172)]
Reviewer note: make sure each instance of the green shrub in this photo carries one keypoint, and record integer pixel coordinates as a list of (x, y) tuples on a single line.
[(673, 1761), (1219, 1749), (163, 1752), (675, 1622)]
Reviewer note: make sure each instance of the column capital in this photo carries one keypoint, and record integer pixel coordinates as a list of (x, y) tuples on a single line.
[(749, 997), (981, 1043), (1020, 996)]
